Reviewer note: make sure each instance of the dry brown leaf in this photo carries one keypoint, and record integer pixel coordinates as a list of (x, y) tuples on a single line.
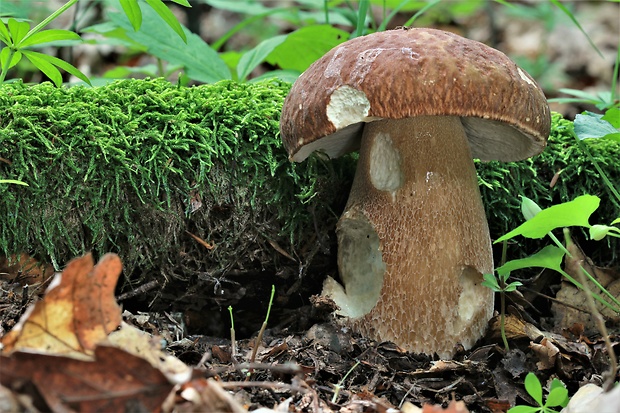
[(205, 395), (115, 381), (453, 407), (147, 347), (547, 353), (77, 312), (24, 269)]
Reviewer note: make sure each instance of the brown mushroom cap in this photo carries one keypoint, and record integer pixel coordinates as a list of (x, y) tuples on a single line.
[(405, 73)]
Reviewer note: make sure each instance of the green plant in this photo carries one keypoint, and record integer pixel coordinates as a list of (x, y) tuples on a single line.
[(18, 38), (542, 223), (500, 285), (557, 396), (340, 384)]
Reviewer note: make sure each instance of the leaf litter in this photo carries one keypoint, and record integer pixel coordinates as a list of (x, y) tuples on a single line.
[(73, 350)]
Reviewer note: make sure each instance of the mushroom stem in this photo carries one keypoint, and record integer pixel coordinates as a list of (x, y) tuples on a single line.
[(413, 240)]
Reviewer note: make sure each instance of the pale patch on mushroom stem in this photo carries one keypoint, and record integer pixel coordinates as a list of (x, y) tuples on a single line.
[(412, 255)]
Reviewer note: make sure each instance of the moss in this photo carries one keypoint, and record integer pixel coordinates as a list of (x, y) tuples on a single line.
[(131, 166)]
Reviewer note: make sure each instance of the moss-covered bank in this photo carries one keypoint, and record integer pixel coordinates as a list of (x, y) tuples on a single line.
[(132, 166)]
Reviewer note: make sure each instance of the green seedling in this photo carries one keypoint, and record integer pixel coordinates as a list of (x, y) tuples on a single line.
[(541, 223), (500, 285), (19, 39), (557, 397), (340, 384)]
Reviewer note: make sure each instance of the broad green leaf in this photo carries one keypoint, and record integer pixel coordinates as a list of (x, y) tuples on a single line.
[(289, 76), (512, 286), (556, 397), (182, 3), (257, 55), (591, 125), (568, 214), (615, 221), (555, 383), (549, 257), (201, 62), (18, 30), (491, 282), (5, 37), (306, 45), (41, 62), (239, 6), (68, 68), (533, 387), (4, 56), (115, 36), (612, 116), (48, 65), (48, 36), (524, 409), (133, 12), (170, 19)]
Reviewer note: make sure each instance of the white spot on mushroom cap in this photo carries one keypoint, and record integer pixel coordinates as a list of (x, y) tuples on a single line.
[(525, 77), (347, 106), (409, 51), (335, 64), (363, 64)]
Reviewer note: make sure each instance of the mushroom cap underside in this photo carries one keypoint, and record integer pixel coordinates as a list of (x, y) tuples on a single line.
[(406, 73)]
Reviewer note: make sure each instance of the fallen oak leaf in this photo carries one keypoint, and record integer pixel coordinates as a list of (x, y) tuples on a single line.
[(147, 347), (114, 381), (77, 312)]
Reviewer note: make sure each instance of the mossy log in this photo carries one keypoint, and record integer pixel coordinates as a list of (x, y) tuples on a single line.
[(137, 166)]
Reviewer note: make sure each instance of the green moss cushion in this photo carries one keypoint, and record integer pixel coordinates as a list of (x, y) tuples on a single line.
[(136, 166)]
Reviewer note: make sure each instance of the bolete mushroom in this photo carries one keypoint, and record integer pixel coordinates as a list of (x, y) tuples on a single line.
[(413, 242)]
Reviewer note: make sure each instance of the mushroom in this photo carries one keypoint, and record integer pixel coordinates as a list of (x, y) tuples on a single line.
[(413, 241)]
